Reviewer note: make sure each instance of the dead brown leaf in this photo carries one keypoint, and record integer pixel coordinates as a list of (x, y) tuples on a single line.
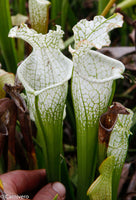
[(108, 120)]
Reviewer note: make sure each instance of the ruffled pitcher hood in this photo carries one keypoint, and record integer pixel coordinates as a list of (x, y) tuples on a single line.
[(46, 67), (93, 72)]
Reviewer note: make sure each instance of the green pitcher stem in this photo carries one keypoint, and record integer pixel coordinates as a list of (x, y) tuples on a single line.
[(86, 156), (108, 7), (40, 134), (50, 137), (115, 183), (53, 136)]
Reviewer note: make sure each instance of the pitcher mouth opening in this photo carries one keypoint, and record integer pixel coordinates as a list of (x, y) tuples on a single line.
[(116, 75), (37, 92)]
